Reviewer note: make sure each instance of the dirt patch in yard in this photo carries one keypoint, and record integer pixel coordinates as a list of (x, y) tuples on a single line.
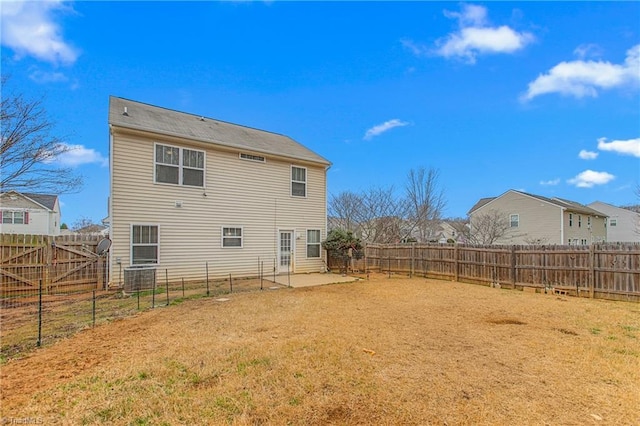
[(378, 351)]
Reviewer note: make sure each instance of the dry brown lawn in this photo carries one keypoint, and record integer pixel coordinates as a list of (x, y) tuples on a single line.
[(383, 351)]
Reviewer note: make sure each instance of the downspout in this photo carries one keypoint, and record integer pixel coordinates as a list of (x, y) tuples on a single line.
[(326, 219), (109, 202), (562, 209)]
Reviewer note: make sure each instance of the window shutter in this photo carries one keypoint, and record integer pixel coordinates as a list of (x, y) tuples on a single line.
[(26, 218)]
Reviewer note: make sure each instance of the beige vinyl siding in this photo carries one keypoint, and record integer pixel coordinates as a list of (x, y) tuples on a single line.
[(252, 195), (537, 219), (627, 227), (597, 233)]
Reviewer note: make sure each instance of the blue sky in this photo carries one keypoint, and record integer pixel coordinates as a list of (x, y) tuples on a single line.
[(534, 96)]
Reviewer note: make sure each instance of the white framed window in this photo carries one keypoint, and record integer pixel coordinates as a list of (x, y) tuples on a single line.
[(579, 221), (145, 245), (589, 222), (15, 217), (179, 166), (613, 222), (313, 243), (232, 236), (570, 219), (251, 157), (514, 220), (298, 181)]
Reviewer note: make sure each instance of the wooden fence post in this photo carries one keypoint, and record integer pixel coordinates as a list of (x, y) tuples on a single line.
[(513, 266), (592, 271), (455, 263), (413, 246)]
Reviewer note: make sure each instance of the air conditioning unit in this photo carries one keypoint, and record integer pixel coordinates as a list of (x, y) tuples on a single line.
[(137, 278)]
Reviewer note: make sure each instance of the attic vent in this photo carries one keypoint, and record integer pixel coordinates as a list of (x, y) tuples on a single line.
[(125, 112), (138, 278), (252, 157)]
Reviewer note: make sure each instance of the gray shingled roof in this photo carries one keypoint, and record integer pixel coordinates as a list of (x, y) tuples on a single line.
[(140, 116), (567, 204), (46, 200)]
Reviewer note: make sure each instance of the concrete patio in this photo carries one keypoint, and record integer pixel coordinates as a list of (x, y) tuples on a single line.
[(310, 280)]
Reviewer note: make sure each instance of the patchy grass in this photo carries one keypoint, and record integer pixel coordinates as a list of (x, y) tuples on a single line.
[(384, 351), (67, 314)]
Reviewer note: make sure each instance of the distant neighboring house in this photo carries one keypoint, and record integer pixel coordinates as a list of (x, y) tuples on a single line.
[(623, 225), (27, 213), (190, 192), (533, 219)]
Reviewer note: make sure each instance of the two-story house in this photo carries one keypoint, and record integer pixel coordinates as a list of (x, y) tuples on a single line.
[(523, 218), (189, 192), (27, 213), (623, 225)]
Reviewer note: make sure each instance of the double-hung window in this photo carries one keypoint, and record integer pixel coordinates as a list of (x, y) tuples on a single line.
[(298, 181), (514, 220), (144, 244), (179, 166), (15, 217), (232, 236), (313, 243)]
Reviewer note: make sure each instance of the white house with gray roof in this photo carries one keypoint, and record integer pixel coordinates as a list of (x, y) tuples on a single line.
[(28, 213), (534, 219), (189, 192)]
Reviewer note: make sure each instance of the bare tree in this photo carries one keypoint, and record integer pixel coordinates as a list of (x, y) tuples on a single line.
[(425, 201), (84, 225), (344, 211), (487, 228), (382, 215), (28, 149), (462, 229)]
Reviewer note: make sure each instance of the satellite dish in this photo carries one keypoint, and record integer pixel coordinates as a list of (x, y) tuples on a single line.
[(103, 246)]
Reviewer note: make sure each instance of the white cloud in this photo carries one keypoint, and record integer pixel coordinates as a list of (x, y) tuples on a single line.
[(475, 37), (471, 15), (78, 155), (588, 49), (42, 77), (585, 78), (587, 155), (381, 128), (416, 49), (628, 147), (29, 29), (590, 178), (552, 182)]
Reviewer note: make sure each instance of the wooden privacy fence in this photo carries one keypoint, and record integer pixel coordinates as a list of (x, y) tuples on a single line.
[(62, 263), (597, 271)]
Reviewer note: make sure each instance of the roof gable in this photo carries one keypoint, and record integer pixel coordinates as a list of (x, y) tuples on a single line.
[(134, 115), (46, 201)]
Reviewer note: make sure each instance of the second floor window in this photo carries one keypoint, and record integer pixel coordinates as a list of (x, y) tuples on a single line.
[(514, 220), (179, 166), (298, 181)]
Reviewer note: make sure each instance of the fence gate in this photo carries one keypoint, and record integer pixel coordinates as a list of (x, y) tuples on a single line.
[(63, 264)]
